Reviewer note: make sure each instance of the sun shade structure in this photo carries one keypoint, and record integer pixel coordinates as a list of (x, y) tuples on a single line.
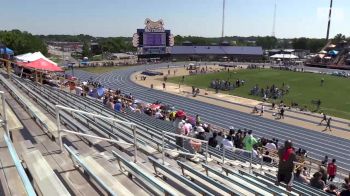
[(41, 64), (284, 56), (6, 51), (29, 57)]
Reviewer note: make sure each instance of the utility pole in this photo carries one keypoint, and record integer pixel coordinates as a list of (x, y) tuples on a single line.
[(329, 19), (223, 19), (274, 20)]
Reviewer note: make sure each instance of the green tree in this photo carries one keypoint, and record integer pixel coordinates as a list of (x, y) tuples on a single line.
[(315, 45), (86, 50), (267, 42), (300, 43), (22, 42), (338, 38)]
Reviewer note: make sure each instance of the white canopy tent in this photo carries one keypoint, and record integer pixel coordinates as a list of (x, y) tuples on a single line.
[(29, 57), (284, 56)]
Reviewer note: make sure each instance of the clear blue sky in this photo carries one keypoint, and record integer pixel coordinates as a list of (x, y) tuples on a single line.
[(295, 18)]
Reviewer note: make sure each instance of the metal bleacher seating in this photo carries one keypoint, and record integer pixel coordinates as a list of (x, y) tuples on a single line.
[(211, 183), (168, 173), (18, 182), (151, 129), (154, 184), (44, 179), (256, 182), (100, 176), (150, 140), (238, 182), (41, 119), (299, 187)]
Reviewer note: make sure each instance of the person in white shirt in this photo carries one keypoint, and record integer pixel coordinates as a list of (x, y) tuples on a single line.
[(78, 90), (262, 110), (227, 143), (270, 146), (158, 115)]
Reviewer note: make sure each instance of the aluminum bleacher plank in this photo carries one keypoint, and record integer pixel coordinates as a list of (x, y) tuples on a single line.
[(106, 177), (43, 175), (88, 170), (7, 170), (13, 122), (209, 181), (168, 172), (271, 188), (136, 171), (240, 184), (34, 111)]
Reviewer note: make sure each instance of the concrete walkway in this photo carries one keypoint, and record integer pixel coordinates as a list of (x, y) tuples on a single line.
[(340, 127)]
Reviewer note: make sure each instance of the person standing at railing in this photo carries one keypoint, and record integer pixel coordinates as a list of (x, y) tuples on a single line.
[(287, 157), (178, 123), (249, 141)]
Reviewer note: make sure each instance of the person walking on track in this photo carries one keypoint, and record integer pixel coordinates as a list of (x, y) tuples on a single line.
[(328, 126)]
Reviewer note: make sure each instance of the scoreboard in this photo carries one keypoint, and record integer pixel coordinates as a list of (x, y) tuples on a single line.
[(153, 39)]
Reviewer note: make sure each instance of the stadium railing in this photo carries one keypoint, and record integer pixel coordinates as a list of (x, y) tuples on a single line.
[(26, 182)]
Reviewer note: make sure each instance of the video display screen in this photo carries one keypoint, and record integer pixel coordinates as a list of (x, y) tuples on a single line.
[(154, 39)]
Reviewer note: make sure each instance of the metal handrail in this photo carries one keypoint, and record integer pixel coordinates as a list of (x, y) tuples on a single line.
[(4, 120), (58, 109), (22, 174)]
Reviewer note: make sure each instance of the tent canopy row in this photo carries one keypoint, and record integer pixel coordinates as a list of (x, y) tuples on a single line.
[(41, 64), (29, 57), (284, 56), (7, 51), (37, 61)]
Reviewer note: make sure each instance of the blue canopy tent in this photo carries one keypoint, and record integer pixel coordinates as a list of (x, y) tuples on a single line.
[(333, 53), (7, 51)]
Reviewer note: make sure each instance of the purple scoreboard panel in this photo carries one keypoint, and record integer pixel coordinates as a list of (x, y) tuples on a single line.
[(154, 39)]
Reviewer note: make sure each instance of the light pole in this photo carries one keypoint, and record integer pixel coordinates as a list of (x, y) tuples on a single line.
[(329, 19)]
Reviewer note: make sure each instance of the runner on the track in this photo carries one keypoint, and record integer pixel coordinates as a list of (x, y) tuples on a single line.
[(324, 118)]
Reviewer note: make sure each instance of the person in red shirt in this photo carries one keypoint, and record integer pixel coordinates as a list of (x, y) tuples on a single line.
[(332, 170)]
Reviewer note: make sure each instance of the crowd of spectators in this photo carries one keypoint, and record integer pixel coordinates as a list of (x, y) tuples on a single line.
[(240, 140), (270, 92)]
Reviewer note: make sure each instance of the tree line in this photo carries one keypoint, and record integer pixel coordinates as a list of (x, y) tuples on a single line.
[(22, 42)]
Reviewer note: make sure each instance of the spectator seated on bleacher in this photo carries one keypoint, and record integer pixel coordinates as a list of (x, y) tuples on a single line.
[(227, 143), (345, 192), (317, 182), (332, 189), (301, 176), (267, 158), (212, 140)]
